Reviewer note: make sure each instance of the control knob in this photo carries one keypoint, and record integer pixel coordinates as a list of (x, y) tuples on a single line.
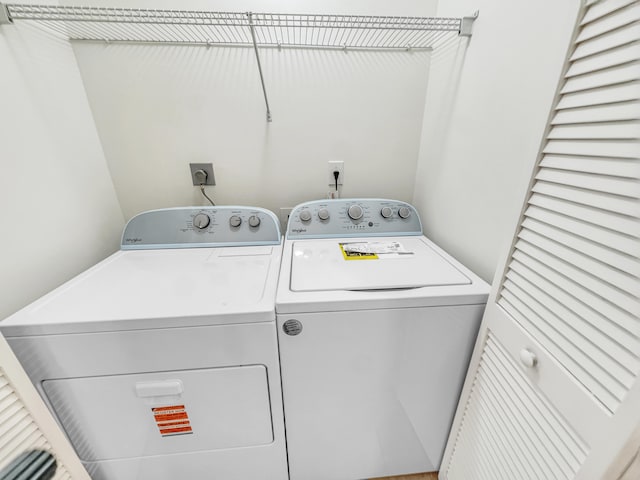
[(235, 221), (404, 212), (201, 221), (305, 215), (386, 212), (355, 212), (323, 214), (254, 221)]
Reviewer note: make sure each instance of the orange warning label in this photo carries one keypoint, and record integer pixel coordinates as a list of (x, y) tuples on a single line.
[(173, 431), (171, 409), (172, 420), (173, 416)]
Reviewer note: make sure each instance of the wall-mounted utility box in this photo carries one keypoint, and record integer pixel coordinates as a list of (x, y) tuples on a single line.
[(206, 167)]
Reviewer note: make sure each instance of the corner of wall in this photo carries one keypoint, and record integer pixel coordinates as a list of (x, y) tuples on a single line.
[(60, 212)]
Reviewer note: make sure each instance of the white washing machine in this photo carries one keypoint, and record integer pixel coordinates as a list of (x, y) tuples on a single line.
[(161, 362), (376, 325)]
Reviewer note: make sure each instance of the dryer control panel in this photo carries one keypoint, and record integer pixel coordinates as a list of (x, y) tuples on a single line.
[(355, 217), (192, 227)]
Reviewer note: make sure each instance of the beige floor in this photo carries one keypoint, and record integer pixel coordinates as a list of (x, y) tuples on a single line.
[(418, 476)]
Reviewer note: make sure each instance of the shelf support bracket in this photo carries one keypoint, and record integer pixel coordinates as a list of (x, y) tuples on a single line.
[(255, 48), (466, 24), (4, 14)]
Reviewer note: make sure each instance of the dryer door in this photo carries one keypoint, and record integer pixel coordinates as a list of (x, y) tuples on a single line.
[(127, 416)]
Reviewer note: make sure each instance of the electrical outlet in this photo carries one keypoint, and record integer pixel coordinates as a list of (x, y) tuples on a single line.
[(336, 165), (206, 167), (284, 217)]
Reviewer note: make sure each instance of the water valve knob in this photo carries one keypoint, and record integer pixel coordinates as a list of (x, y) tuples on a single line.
[(305, 215), (201, 221), (386, 212), (323, 214), (235, 221), (404, 212), (254, 221), (355, 212)]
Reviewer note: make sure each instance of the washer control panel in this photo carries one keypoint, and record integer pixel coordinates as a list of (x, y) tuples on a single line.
[(355, 217), (192, 227)]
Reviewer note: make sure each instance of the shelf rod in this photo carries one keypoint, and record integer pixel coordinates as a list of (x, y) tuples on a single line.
[(255, 48)]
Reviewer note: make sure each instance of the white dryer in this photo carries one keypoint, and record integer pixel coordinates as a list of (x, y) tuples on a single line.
[(161, 362), (376, 325)]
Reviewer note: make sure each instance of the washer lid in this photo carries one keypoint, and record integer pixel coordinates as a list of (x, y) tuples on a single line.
[(369, 264)]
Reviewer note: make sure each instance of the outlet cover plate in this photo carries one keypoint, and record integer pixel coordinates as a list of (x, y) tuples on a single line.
[(207, 167), (334, 165)]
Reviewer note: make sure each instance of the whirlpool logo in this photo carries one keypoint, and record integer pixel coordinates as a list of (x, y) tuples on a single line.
[(298, 230), (133, 240)]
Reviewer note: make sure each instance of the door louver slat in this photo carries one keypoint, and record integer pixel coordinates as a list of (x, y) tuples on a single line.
[(614, 20), (606, 131), (599, 9), (619, 55), (624, 224), (608, 41), (626, 92), (602, 330), (586, 237), (608, 184), (600, 148), (582, 278), (548, 430), (527, 439), (18, 431), (624, 206), (612, 76), (614, 112), (627, 264), (626, 322), (598, 165)]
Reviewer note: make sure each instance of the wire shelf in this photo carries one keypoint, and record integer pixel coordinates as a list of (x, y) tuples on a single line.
[(235, 29), (346, 32)]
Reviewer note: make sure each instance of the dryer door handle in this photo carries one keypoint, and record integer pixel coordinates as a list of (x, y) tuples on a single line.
[(159, 389)]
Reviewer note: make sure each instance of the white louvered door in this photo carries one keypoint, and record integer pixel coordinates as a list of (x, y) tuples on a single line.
[(552, 391), (25, 421)]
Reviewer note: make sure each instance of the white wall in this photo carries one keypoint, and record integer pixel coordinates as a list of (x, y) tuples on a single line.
[(157, 108), (58, 209), (487, 107)]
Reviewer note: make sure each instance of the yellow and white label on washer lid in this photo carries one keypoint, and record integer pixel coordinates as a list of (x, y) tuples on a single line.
[(372, 250), (355, 255)]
